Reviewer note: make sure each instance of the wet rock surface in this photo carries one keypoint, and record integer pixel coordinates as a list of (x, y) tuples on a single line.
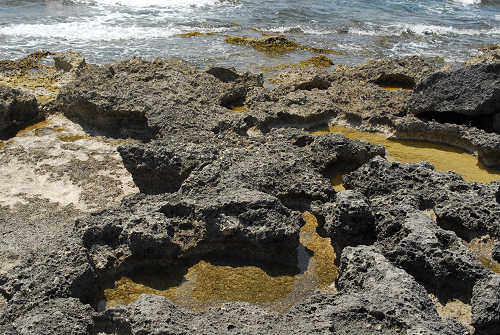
[(153, 164)]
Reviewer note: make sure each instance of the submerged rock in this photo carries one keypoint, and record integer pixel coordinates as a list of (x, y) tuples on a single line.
[(274, 44), (17, 110)]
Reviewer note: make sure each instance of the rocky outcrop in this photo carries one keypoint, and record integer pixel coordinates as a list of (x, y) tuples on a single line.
[(160, 167), (42, 80), (486, 306), (488, 54), (349, 221), (496, 252), (375, 296), (405, 72), (58, 316), (469, 94), (485, 144), (17, 110), (156, 228), (226, 171), (469, 209), (141, 99)]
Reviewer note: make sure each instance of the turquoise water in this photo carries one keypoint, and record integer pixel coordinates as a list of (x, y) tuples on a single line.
[(105, 30)]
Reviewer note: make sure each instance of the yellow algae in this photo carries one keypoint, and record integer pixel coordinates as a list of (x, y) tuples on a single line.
[(482, 248), (206, 283), (317, 61), (246, 283), (194, 34), (454, 309), (127, 291), (275, 44), (324, 255), (240, 108), (337, 183), (39, 125), (72, 137), (393, 88), (443, 157)]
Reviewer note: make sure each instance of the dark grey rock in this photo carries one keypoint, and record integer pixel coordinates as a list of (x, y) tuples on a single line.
[(143, 99), (472, 139), (435, 257), (468, 209), (251, 224), (486, 306), (162, 167), (348, 221), (17, 110), (496, 252), (69, 61), (149, 314), (471, 91), (375, 297), (58, 316)]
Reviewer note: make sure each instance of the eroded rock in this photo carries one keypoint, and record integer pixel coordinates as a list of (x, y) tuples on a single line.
[(470, 94), (486, 306), (17, 110)]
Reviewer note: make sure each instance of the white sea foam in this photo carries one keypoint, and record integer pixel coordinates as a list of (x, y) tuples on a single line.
[(87, 31), (152, 3), (423, 29)]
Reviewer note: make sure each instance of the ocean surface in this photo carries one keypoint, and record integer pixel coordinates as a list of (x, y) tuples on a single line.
[(105, 30)]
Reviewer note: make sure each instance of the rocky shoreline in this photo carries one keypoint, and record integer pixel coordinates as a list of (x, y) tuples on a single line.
[(141, 165)]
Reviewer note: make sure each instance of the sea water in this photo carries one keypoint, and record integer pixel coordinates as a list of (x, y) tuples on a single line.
[(104, 30)]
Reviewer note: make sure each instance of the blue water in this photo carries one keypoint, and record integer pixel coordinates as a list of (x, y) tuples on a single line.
[(104, 30)]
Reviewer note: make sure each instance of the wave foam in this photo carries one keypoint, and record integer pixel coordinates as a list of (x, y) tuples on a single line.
[(86, 31), (152, 3)]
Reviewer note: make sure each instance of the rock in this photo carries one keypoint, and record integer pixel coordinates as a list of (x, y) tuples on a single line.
[(17, 110), (496, 252), (468, 209), (488, 54), (163, 167), (152, 228), (69, 61), (470, 91), (149, 314), (48, 275), (471, 139), (486, 306), (58, 316), (43, 80), (436, 258), (274, 44), (496, 123), (348, 221), (375, 297), (404, 72)]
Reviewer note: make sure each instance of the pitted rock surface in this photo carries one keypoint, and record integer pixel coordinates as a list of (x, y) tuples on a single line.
[(214, 180), (476, 210), (17, 110), (486, 306), (472, 91)]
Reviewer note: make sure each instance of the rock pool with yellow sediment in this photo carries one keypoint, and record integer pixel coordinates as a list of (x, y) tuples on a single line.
[(442, 157)]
